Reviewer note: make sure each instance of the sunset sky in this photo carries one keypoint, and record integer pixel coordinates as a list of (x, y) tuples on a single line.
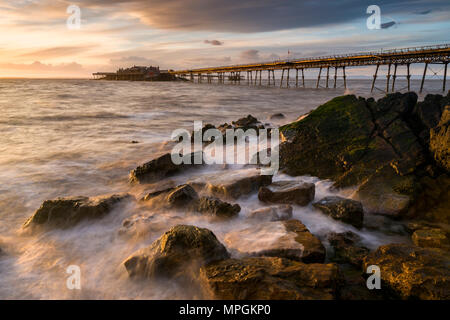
[(35, 40)]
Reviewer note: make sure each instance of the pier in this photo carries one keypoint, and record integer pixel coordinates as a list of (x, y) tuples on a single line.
[(329, 68)]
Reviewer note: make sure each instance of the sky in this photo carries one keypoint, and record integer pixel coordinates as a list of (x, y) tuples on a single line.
[(40, 38)]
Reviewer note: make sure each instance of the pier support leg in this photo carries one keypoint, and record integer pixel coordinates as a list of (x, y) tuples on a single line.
[(345, 77), (328, 75), (296, 77), (287, 79), (393, 77), (282, 77), (445, 76), (318, 78), (303, 77), (273, 77), (335, 77), (388, 78), (408, 77), (375, 77), (260, 76), (268, 77)]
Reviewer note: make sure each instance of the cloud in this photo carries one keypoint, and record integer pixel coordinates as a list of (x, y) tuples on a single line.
[(39, 69), (132, 60), (250, 55), (258, 16), (214, 42), (56, 52), (387, 25)]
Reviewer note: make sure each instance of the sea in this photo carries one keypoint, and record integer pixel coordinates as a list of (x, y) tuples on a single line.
[(63, 138)]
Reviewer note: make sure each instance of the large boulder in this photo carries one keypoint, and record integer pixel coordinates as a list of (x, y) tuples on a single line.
[(287, 239), (346, 248), (67, 212), (427, 114), (248, 122), (178, 253), (182, 196), (345, 210), (288, 192), (217, 208), (269, 278), (430, 237), (411, 272), (440, 140), (163, 167), (378, 145), (233, 184)]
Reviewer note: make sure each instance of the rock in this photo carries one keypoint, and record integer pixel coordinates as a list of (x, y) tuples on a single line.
[(427, 114), (411, 272), (178, 253), (277, 116), (67, 212), (354, 141), (430, 238), (182, 196), (217, 208), (248, 122), (287, 239), (288, 192), (202, 132), (163, 167), (433, 201), (345, 248), (238, 183), (328, 141), (387, 193), (354, 285), (274, 213), (267, 278), (440, 140), (345, 210)]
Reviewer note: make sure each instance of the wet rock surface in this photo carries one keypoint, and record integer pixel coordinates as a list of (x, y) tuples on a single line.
[(288, 192), (217, 208), (67, 212), (430, 238), (410, 272), (440, 140), (346, 210), (178, 253), (266, 278), (346, 248), (287, 239), (237, 184), (163, 167)]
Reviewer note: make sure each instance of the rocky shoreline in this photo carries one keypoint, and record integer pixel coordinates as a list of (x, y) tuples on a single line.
[(394, 152)]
